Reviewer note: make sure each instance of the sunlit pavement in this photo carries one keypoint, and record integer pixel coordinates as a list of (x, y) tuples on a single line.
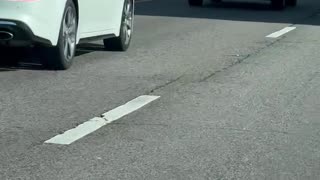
[(226, 91)]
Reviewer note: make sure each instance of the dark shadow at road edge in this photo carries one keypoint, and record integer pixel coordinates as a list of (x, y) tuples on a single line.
[(259, 11)]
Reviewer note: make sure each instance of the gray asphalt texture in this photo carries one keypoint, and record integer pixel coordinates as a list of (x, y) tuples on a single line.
[(234, 104)]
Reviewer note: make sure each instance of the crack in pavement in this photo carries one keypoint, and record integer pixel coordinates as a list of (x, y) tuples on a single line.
[(166, 84), (240, 60)]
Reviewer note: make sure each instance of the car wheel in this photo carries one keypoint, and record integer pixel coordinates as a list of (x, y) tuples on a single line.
[(61, 56), (278, 4), (291, 2), (122, 42), (195, 2)]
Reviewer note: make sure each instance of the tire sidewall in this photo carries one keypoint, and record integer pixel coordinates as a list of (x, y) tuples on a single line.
[(122, 35), (60, 46)]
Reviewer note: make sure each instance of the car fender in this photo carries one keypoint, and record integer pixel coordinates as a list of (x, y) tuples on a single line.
[(43, 17)]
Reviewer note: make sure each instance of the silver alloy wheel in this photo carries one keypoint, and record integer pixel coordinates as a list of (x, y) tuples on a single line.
[(69, 33), (127, 24)]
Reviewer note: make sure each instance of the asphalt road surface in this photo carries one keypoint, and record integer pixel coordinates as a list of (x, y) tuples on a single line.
[(229, 101)]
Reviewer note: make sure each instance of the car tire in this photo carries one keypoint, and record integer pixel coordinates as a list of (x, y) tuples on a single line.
[(195, 2), (278, 4), (291, 2), (122, 42), (60, 57)]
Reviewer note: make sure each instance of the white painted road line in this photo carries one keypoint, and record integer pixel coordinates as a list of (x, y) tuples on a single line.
[(281, 32), (79, 132), (128, 108), (96, 123)]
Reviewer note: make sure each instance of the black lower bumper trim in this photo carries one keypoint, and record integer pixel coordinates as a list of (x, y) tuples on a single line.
[(22, 34)]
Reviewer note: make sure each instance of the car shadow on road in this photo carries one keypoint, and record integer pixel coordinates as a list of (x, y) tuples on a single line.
[(246, 10), (255, 6), (13, 59), (86, 48)]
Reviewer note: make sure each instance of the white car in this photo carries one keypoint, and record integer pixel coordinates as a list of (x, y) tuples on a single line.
[(276, 4), (57, 26)]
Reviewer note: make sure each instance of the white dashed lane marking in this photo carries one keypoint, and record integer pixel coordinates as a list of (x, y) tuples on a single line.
[(96, 123), (281, 32)]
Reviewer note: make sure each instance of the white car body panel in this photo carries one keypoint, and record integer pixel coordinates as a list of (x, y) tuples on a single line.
[(107, 20), (43, 17)]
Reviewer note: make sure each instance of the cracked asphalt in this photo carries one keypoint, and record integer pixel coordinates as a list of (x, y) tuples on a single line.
[(234, 104)]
